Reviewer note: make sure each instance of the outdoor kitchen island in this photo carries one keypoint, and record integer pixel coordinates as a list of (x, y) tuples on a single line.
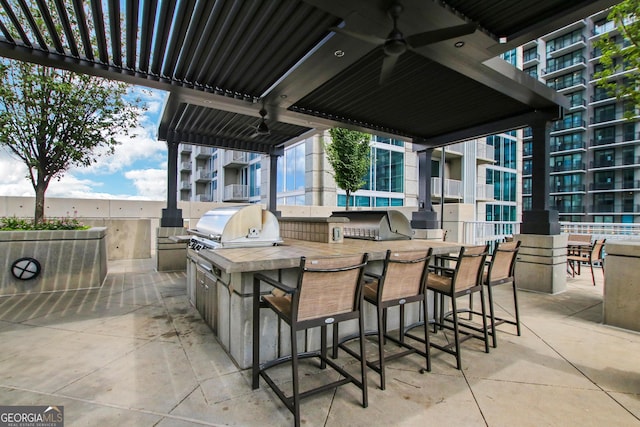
[(221, 288)]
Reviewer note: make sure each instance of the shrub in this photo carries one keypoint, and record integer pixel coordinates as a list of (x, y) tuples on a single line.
[(14, 223)]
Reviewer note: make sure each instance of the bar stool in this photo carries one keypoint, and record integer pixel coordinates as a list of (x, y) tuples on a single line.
[(329, 291), (463, 280), (402, 281)]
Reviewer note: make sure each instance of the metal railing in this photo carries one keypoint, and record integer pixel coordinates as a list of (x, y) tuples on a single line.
[(452, 188), (602, 230), (236, 192), (483, 232)]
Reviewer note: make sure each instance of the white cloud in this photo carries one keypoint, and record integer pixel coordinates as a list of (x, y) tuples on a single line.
[(150, 183), (14, 173)]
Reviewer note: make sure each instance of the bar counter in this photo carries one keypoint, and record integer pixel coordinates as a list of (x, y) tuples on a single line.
[(220, 286)]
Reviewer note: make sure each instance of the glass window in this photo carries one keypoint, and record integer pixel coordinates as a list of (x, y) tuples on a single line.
[(397, 171), (363, 201), (382, 201), (383, 170)]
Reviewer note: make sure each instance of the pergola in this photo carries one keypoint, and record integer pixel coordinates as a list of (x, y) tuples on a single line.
[(312, 64)]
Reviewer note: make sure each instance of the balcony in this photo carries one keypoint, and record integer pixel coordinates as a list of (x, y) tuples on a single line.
[(235, 159), (615, 185), (185, 166), (614, 208), (530, 59), (563, 125), (203, 152), (186, 148), (485, 151), (484, 192), (615, 163), (567, 146), (576, 63), (452, 188), (559, 47), (569, 167), (202, 198), (566, 85), (568, 209), (572, 188), (185, 185), (236, 193), (203, 175)]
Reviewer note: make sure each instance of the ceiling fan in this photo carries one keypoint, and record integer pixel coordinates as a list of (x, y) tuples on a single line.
[(261, 129), (396, 43)]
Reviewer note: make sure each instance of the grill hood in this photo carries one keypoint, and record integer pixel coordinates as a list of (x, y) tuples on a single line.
[(376, 225), (238, 226)]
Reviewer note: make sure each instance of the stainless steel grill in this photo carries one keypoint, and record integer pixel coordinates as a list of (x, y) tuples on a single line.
[(234, 227), (376, 225)]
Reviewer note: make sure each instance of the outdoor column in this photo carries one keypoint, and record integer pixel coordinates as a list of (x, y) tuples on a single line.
[(425, 217), (171, 255), (541, 219), (172, 216), (272, 189), (542, 261)]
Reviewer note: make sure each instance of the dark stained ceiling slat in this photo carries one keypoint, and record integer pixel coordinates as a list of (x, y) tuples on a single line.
[(241, 20), (32, 23), (16, 23), (131, 19), (81, 17), (66, 26), (146, 32), (98, 28), (183, 18), (199, 59), (223, 28), (51, 27), (6, 33), (188, 48), (167, 8), (115, 30)]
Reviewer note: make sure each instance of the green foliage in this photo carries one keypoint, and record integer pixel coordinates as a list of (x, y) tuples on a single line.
[(55, 119), (349, 155), (621, 53), (14, 223)]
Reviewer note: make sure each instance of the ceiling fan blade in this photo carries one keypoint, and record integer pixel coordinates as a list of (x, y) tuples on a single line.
[(434, 36), (364, 37), (388, 64)]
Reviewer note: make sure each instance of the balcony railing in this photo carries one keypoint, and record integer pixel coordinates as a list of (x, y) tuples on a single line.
[(484, 192), (566, 83), (609, 163), (452, 188), (203, 151), (202, 198), (567, 146), (571, 166), (567, 209), (185, 185), (615, 208), (186, 148), (600, 230), (565, 64), (483, 232), (574, 188), (235, 159), (185, 166), (203, 175), (236, 193), (568, 124), (615, 185)]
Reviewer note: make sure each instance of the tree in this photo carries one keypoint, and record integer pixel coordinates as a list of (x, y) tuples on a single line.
[(54, 119), (348, 154), (621, 53)]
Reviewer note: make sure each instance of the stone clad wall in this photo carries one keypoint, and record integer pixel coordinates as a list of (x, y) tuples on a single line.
[(57, 260)]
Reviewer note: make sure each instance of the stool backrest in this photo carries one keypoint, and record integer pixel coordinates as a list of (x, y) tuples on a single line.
[(503, 261), (405, 274), (469, 267), (328, 286)]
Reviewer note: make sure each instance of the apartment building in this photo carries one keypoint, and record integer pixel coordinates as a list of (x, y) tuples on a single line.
[(595, 150)]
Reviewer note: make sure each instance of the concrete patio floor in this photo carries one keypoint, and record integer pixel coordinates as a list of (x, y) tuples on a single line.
[(135, 353)]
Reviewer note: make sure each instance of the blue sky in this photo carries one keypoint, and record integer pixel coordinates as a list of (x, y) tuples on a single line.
[(137, 169)]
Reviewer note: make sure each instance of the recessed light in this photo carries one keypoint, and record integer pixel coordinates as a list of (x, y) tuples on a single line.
[(459, 44), (339, 53)]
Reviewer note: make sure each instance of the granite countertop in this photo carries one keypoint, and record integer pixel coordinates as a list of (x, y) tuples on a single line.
[(287, 255)]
